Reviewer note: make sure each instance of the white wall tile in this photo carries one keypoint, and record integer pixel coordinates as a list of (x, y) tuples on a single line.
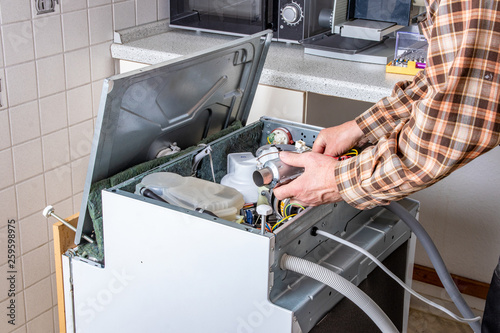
[(163, 9), (79, 104), (102, 63), (1, 53), (48, 36), (79, 173), (30, 196), (72, 5), (53, 115), (146, 11), (31, 49), (18, 43), (27, 160), (14, 11), (95, 3), (8, 205), (77, 68), (20, 313), (80, 139), (33, 232), (96, 96), (38, 298), (101, 24), (77, 201), (24, 122), (21, 329), (42, 324), (50, 75), (55, 149), (75, 30), (3, 240), (4, 130), (124, 14), (64, 209), (21, 83), (36, 266), (7, 167), (58, 184)]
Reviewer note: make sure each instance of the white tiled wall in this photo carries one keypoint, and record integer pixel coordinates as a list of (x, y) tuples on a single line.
[(51, 71)]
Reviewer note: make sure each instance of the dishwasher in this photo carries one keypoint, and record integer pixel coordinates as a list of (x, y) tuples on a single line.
[(172, 236)]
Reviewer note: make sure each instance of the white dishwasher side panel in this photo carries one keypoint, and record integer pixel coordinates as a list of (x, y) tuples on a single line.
[(169, 271)]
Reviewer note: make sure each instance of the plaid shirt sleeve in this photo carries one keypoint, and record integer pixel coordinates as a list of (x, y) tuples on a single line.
[(441, 120)]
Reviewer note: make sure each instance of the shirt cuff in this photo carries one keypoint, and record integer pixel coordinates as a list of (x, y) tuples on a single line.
[(347, 178)]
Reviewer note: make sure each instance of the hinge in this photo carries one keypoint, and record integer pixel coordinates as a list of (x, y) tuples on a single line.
[(198, 157)]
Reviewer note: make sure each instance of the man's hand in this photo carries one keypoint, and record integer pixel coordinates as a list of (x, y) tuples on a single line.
[(335, 141), (316, 186)]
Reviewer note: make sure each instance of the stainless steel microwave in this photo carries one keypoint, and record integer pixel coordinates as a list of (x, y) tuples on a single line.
[(290, 20)]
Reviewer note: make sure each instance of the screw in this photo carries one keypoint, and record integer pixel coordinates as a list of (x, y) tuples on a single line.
[(49, 211)]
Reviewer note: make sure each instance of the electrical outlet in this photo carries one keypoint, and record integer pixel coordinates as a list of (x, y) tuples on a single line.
[(45, 6)]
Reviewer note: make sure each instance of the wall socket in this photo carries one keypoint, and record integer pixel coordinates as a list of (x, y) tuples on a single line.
[(45, 6)]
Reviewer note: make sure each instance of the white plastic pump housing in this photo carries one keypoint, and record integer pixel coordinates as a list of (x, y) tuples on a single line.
[(193, 193), (240, 168)]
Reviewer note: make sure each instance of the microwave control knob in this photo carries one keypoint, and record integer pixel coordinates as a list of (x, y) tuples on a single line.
[(291, 13)]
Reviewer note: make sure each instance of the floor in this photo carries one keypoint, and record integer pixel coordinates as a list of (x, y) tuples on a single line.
[(421, 322)]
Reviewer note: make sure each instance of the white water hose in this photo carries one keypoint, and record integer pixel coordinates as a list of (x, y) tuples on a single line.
[(394, 277), (343, 286)]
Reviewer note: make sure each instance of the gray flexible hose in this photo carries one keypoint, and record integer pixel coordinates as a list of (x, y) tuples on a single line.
[(343, 286), (437, 262)]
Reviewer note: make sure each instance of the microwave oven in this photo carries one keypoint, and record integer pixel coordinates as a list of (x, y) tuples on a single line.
[(290, 20)]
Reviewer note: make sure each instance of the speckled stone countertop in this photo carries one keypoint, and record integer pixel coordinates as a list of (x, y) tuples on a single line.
[(286, 66)]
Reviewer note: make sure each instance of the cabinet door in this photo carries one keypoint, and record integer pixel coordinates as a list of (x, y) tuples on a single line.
[(278, 103), (327, 111)]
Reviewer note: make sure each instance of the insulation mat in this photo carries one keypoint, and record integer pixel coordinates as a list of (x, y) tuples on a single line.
[(233, 139)]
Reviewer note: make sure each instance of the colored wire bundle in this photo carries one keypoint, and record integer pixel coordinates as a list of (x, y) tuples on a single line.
[(287, 214), (290, 205), (281, 221), (351, 153)]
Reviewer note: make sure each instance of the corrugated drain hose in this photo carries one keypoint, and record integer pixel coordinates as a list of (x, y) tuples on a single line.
[(343, 286), (437, 262)]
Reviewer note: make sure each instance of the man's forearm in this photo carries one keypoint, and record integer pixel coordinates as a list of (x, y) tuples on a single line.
[(384, 116)]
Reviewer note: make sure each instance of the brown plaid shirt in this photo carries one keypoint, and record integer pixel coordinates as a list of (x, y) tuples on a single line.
[(440, 121)]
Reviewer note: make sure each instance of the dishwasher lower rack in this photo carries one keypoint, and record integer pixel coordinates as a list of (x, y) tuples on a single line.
[(172, 269)]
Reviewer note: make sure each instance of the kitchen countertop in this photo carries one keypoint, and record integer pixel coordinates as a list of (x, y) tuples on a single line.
[(286, 66)]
